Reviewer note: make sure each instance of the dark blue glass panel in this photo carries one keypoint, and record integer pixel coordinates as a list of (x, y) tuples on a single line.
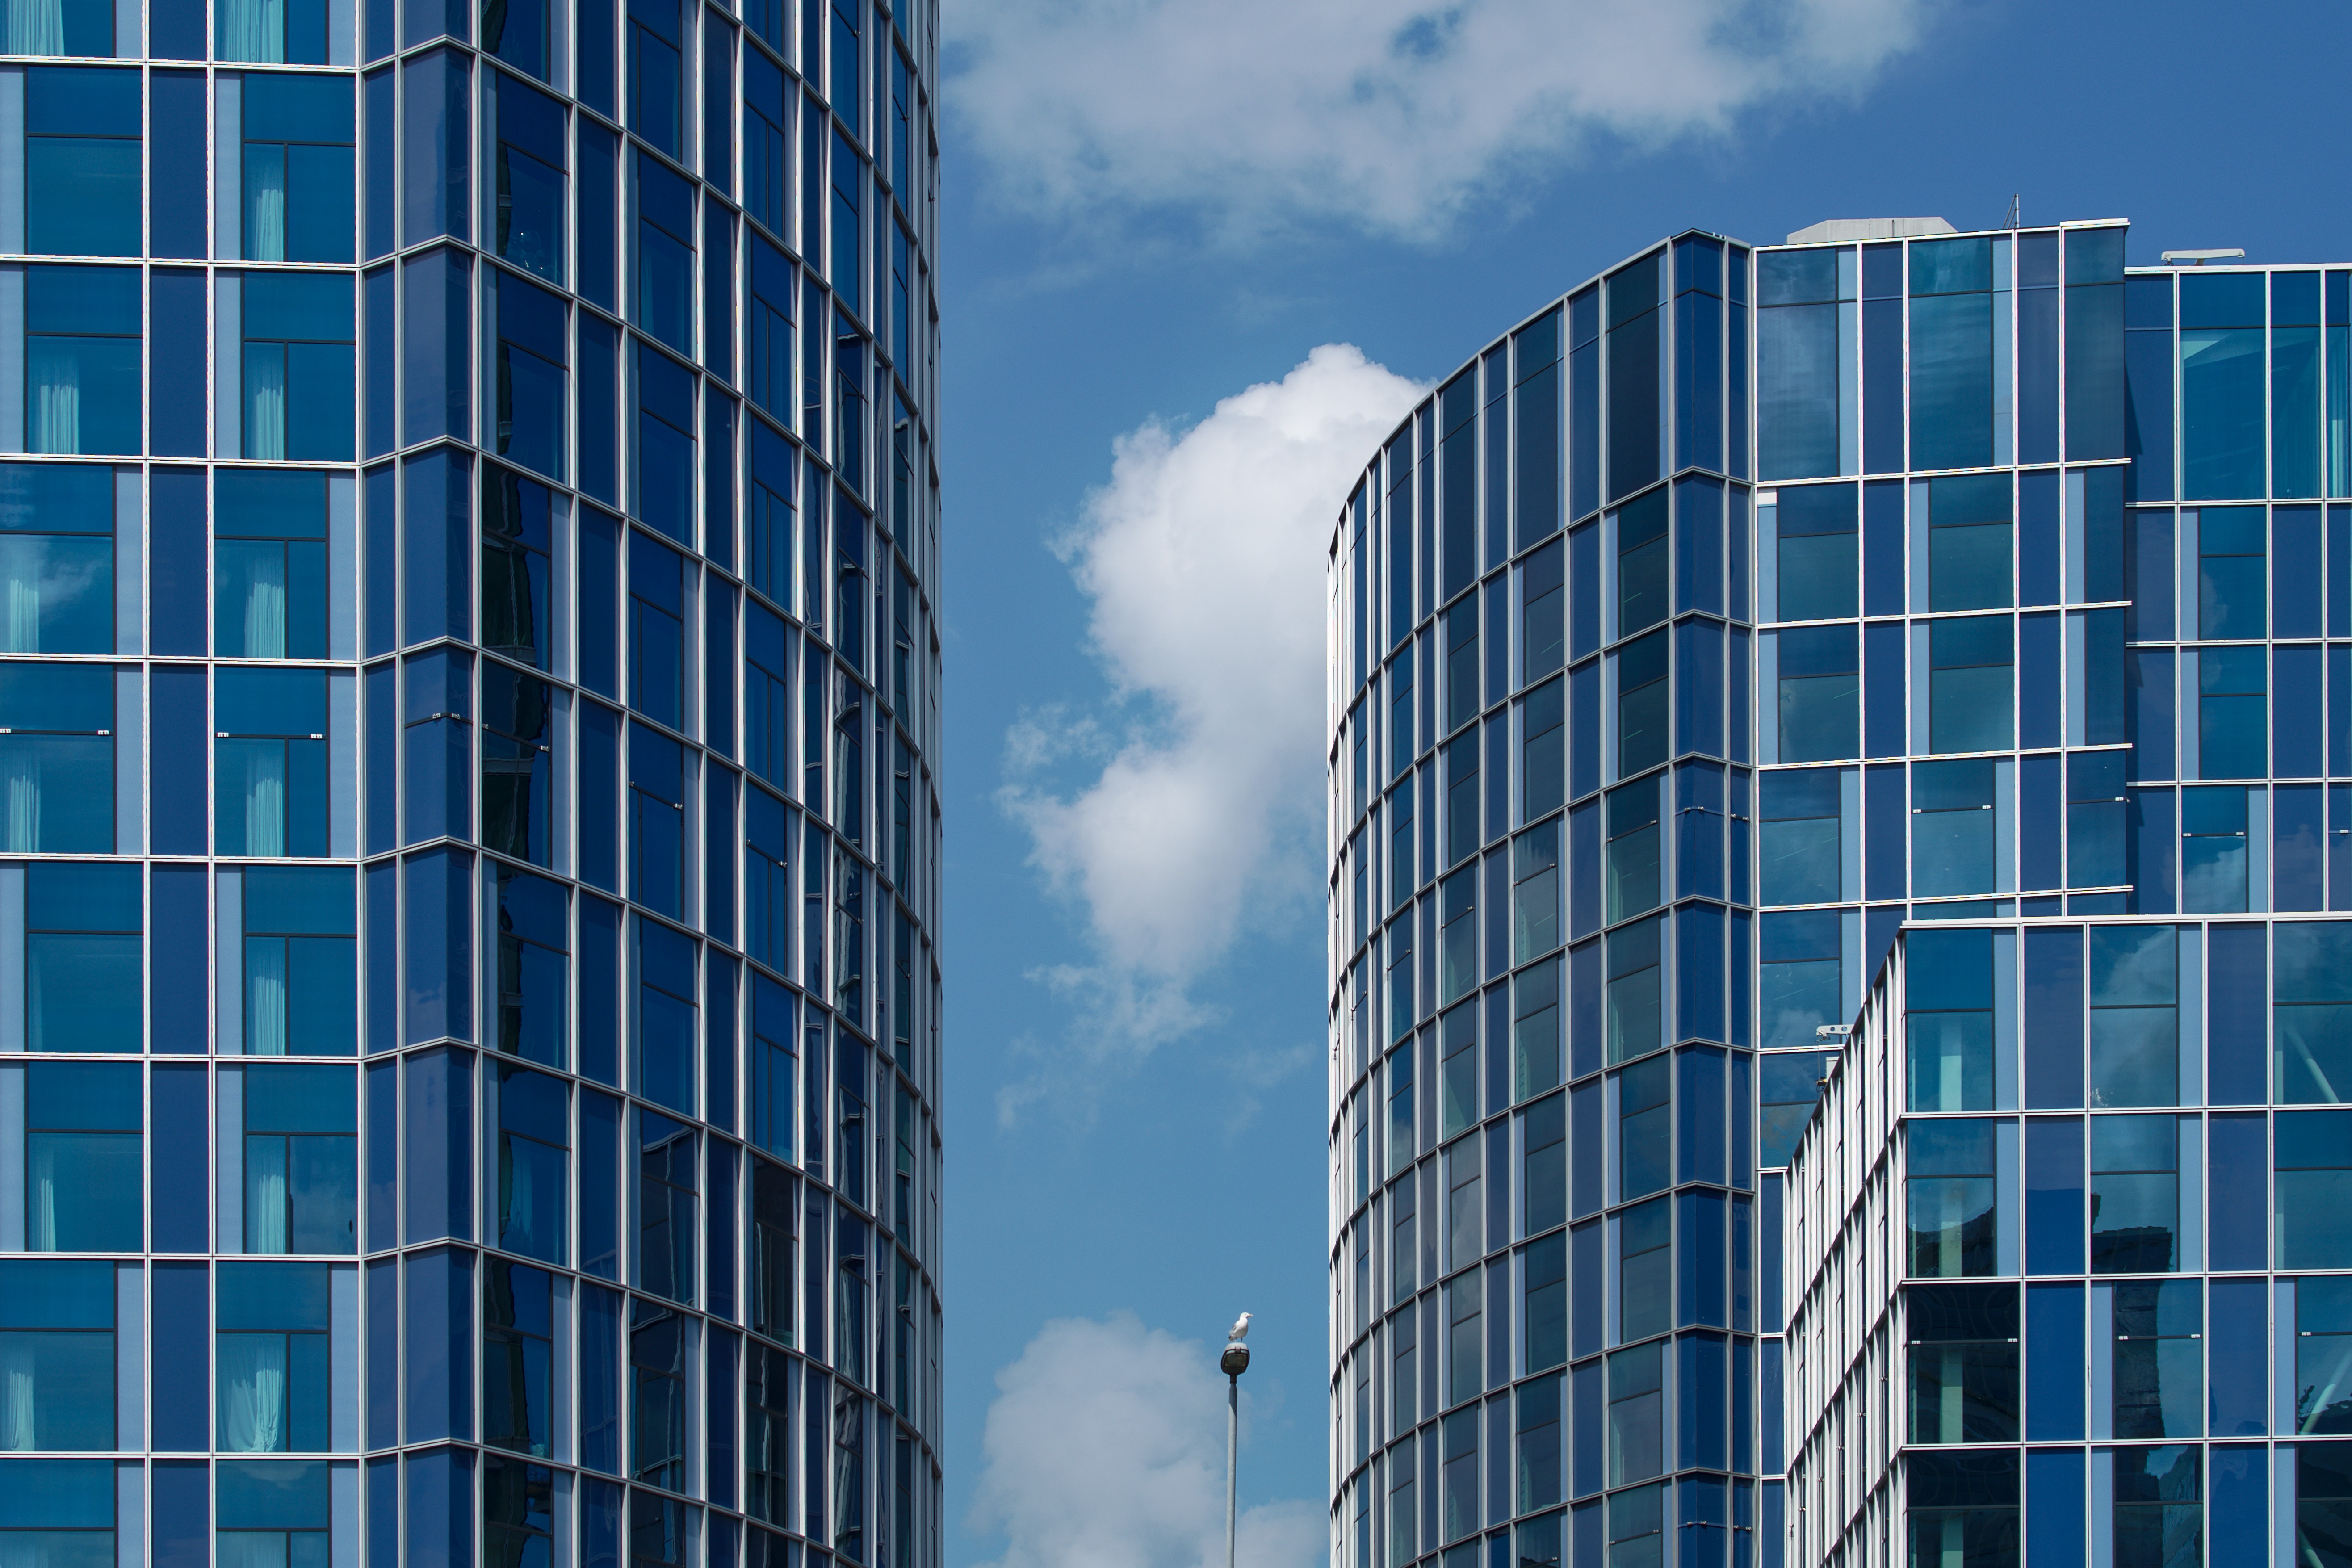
[(438, 1393), (2238, 1510), (436, 139), (179, 1215), (2237, 1008), (600, 967), (437, 1145), (2238, 1363), (2054, 1507), (2222, 387), (384, 1155), (600, 1134), (600, 1389), (440, 1506), (2054, 1195), (182, 1357), (2054, 1363)]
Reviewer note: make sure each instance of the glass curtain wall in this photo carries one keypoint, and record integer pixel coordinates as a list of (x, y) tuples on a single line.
[(1981, 596), (469, 1061)]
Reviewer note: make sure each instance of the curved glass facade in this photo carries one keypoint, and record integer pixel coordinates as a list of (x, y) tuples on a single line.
[(1744, 618), (468, 1013), (1543, 1090)]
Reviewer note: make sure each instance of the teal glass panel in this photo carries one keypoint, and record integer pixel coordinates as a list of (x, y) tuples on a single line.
[(2322, 1355), (1820, 696), (1952, 837), (1815, 571), (2312, 1188), (1971, 700), (1798, 343), (82, 1191), (1951, 1216), (1968, 542), (57, 1513), (2223, 386), (81, 153), (2232, 572), (2135, 1023), (2135, 1194), (57, 1356), (2232, 716), (1799, 836), (1952, 380), (1634, 1004), (2312, 1013), (2213, 849)]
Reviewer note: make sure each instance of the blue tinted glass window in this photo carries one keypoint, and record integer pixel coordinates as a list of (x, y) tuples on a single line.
[(298, 178), (299, 366), (1951, 334), (1952, 1219), (301, 1160), (82, 1157), (534, 1159), (269, 565), (663, 474), (2135, 1194), (2312, 1018), (1971, 700), (663, 1245), (81, 161), (2222, 387), (2311, 1154), (2213, 847), (2135, 1026), (518, 526), (1952, 828), (59, 1511), (1948, 1019), (1968, 528), (2232, 727), (56, 1337), (81, 359), (531, 380), (1815, 561), (1819, 697), (58, 755), (57, 558), (666, 1021), (83, 986)]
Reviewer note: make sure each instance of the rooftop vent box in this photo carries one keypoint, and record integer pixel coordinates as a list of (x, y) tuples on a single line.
[(1847, 230)]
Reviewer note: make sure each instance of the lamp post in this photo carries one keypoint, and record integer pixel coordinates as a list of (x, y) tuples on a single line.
[(1233, 1363)]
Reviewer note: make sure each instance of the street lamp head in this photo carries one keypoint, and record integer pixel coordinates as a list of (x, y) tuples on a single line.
[(1235, 1360)]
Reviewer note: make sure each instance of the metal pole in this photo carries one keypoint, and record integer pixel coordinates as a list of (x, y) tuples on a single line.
[(1232, 1441), (1233, 1363)]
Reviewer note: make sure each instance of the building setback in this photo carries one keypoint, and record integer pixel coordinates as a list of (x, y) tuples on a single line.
[(1945, 632), (469, 1056)]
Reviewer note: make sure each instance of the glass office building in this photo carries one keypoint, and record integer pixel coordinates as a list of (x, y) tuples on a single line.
[(469, 1052), (1937, 629)]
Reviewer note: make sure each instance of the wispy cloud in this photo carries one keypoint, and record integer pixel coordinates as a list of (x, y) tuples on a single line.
[(1195, 817), (1391, 114), (1105, 1448)]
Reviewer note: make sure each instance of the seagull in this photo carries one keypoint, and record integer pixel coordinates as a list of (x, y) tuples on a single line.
[(1239, 1330)]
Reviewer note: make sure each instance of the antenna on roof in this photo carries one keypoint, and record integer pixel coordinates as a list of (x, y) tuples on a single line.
[(2015, 215)]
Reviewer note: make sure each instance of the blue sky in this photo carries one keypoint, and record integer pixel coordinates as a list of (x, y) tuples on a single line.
[(1151, 205)]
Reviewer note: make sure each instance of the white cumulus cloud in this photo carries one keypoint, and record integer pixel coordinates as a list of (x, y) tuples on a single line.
[(1105, 1448), (1392, 114), (1204, 558)]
